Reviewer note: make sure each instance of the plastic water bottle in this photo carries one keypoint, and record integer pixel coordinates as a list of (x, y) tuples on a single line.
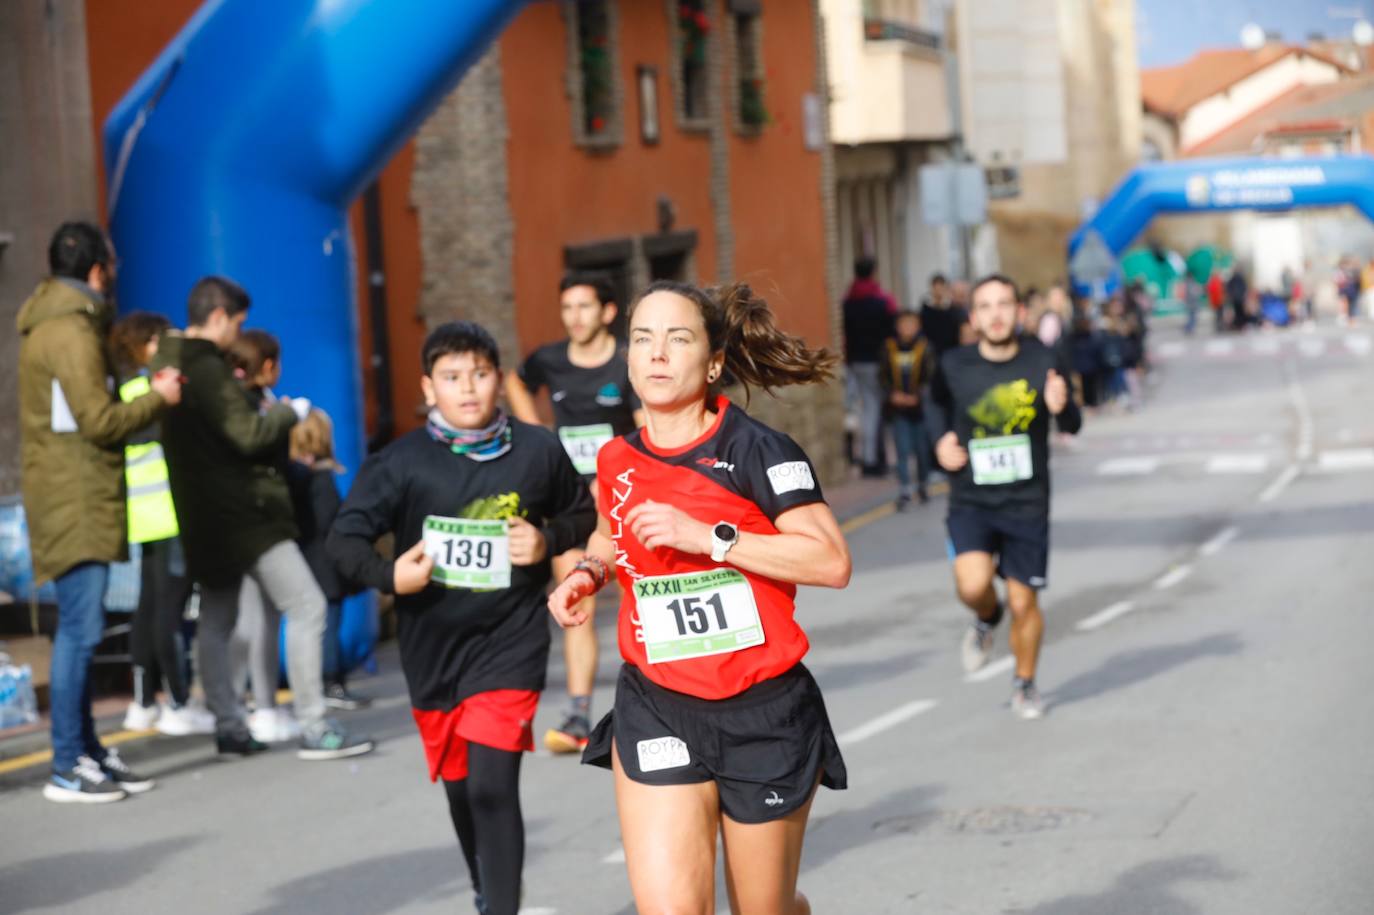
[(18, 702)]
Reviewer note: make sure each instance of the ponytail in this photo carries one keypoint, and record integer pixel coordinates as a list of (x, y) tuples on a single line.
[(740, 325)]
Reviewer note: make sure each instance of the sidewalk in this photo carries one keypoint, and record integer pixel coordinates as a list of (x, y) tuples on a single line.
[(856, 502)]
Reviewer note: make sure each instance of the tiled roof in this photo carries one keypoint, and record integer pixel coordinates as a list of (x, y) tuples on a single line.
[(1171, 91), (1303, 109)]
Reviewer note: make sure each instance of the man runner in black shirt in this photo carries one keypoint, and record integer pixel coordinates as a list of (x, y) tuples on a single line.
[(589, 386), (997, 397)]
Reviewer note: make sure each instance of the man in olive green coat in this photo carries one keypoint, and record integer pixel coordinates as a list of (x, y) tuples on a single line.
[(237, 521), (73, 429)]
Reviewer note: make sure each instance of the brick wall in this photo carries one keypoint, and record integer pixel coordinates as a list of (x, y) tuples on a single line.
[(459, 189)]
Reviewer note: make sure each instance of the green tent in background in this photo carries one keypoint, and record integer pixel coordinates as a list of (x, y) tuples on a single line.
[(1154, 269), (1203, 259)]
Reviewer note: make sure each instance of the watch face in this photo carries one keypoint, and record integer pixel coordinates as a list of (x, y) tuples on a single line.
[(724, 532)]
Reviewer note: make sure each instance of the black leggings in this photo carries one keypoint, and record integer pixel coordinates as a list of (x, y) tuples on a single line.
[(154, 640), (485, 808)]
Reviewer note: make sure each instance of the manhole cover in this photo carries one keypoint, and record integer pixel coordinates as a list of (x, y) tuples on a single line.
[(989, 821)]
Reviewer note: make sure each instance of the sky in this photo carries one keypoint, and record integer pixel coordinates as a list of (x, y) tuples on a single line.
[(1217, 23)]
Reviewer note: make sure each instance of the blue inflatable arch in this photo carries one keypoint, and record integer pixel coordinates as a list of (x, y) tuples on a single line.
[(1213, 185), (240, 149)]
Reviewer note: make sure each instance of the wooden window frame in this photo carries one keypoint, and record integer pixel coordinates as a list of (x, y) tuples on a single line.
[(613, 135)]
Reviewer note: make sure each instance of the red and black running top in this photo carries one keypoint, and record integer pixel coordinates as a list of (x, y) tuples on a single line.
[(738, 471)]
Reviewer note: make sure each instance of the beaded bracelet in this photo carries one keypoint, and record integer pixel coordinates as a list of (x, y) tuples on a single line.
[(594, 567)]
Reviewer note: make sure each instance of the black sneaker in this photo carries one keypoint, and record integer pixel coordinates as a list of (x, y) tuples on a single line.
[(331, 741), (903, 501), (241, 744), (569, 737), (85, 784), (337, 696), (118, 771)]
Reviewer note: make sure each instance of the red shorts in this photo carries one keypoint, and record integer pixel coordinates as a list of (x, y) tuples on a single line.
[(499, 718)]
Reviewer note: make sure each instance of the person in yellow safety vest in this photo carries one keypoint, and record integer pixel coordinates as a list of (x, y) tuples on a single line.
[(155, 636)]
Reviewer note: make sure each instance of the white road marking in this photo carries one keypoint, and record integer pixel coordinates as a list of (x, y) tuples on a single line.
[(1312, 348), (615, 857), (1280, 483), (885, 722), (1346, 459), (1358, 344), (1237, 463), (1128, 466), (1299, 398), (1218, 348), (1219, 540), (1264, 346), (1172, 350), (995, 669), (1103, 617), (538, 910), (1172, 577)]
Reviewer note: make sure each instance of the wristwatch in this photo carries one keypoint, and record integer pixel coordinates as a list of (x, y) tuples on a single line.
[(723, 536)]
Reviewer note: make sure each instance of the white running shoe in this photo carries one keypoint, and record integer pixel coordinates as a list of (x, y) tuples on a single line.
[(273, 725), (85, 784), (184, 720), (140, 718), (977, 647), (1026, 703)]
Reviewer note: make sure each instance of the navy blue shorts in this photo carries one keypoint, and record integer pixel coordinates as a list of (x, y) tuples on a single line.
[(1021, 544)]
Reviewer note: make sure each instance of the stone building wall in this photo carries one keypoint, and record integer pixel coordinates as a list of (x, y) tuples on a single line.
[(44, 105)]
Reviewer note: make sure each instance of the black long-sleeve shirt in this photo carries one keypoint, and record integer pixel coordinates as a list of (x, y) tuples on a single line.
[(997, 409), (315, 496), (456, 642)]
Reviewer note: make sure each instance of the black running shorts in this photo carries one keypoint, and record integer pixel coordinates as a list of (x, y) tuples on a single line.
[(764, 749), (1021, 544)]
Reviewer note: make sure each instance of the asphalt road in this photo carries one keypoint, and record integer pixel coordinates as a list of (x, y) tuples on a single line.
[(1206, 749)]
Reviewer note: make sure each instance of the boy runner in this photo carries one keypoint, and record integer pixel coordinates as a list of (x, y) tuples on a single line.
[(477, 502), (997, 398), (589, 387)]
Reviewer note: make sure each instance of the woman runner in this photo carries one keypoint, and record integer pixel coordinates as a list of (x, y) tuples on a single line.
[(711, 520)]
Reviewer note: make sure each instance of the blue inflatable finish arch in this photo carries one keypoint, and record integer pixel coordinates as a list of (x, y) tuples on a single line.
[(1211, 185), (240, 149)]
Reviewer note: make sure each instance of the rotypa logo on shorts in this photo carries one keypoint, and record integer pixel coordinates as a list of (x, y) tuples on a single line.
[(662, 753)]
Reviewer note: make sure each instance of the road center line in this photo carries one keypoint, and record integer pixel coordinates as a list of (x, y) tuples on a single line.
[(884, 722), (1103, 617), (1219, 540), (1173, 577), (1346, 459), (1280, 483), (995, 669), (615, 857), (1237, 463), (1135, 465)]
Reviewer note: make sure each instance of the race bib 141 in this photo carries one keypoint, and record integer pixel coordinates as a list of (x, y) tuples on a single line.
[(1003, 459)]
